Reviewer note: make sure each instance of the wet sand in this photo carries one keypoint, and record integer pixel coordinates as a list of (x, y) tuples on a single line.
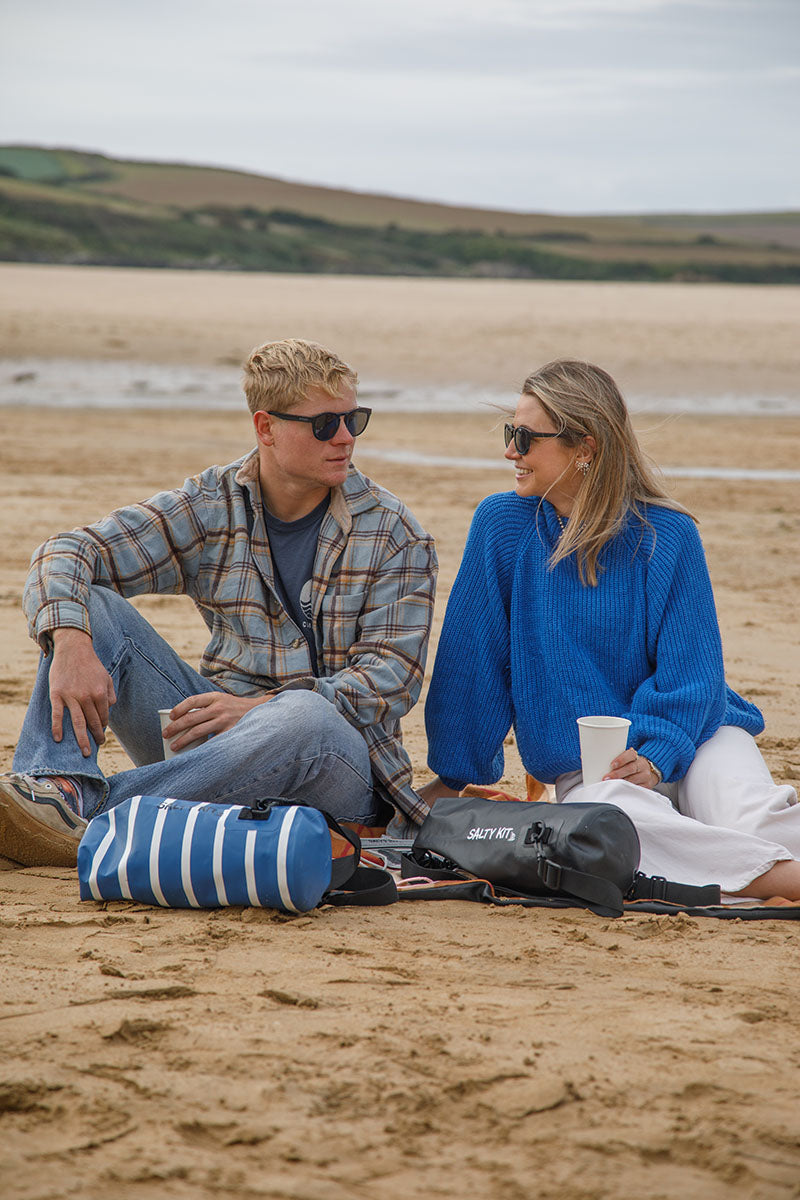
[(424, 1048), (662, 339)]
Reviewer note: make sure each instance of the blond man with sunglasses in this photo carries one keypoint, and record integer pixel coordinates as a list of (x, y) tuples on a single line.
[(317, 588)]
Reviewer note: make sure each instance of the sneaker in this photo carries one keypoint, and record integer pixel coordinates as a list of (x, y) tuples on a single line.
[(37, 826)]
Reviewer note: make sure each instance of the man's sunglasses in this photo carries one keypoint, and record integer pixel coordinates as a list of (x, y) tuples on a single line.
[(325, 425), (523, 437)]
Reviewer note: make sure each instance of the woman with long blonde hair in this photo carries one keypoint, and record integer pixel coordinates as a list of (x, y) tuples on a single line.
[(585, 591)]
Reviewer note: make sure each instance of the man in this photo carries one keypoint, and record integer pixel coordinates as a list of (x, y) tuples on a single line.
[(317, 587)]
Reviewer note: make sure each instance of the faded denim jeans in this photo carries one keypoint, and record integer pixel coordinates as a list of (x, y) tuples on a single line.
[(296, 747)]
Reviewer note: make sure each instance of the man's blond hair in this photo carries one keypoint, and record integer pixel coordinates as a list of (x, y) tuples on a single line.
[(278, 375)]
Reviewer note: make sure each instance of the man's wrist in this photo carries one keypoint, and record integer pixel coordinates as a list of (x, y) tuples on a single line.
[(64, 632)]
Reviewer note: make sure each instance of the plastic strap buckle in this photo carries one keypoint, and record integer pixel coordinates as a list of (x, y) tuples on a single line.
[(262, 811), (549, 872)]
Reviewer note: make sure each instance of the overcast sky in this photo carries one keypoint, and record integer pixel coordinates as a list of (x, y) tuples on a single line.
[(555, 105)]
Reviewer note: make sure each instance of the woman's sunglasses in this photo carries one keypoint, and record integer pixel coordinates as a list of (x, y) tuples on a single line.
[(522, 437), (325, 425)]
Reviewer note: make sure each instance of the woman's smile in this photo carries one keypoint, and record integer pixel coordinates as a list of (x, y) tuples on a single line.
[(548, 468)]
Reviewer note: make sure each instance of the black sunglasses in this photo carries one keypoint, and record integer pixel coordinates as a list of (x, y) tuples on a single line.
[(325, 425), (523, 437)]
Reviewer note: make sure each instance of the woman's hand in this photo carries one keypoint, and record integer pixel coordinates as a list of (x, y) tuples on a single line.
[(199, 717), (631, 767)]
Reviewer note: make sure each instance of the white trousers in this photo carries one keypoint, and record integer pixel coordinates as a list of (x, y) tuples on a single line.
[(725, 822)]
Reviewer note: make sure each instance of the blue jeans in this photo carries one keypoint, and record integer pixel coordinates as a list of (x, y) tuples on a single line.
[(295, 747)]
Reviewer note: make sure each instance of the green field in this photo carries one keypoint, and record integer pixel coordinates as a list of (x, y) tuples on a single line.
[(66, 206)]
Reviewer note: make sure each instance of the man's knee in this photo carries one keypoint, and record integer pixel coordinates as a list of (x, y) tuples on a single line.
[(117, 628), (112, 617), (104, 604), (303, 710), (308, 721), (303, 735)]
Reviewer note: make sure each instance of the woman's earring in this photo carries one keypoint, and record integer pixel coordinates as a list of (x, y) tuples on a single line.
[(583, 467)]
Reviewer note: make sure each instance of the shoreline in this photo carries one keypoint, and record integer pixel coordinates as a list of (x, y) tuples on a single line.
[(57, 382), (678, 338)]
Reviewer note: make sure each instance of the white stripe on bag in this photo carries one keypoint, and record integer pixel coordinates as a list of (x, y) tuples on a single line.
[(99, 854), (283, 850), (250, 867), (216, 862), (155, 846), (122, 869), (186, 855)]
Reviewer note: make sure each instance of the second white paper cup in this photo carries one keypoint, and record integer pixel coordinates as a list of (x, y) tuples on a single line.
[(602, 739)]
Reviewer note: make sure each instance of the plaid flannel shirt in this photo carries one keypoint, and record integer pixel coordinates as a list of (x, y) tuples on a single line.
[(373, 591)]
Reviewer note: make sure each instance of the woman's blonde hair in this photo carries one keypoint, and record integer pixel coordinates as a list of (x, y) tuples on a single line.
[(583, 400)]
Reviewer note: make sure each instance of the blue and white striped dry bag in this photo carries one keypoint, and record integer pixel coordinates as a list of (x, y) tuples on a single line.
[(183, 854)]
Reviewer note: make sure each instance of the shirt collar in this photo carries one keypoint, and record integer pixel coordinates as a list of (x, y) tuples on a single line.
[(356, 495)]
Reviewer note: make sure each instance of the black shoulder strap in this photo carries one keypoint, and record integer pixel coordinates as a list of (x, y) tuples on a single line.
[(604, 897), (367, 887), (656, 887), (352, 884), (343, 868), (602, 894)]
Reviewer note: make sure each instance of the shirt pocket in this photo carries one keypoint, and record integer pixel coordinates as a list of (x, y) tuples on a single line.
[(339, 625)]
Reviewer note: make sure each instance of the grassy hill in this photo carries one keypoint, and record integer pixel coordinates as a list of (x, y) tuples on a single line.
[(75, 207)]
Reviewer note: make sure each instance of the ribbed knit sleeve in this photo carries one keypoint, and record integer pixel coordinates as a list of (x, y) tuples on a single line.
[(685, 699), (469, 711)]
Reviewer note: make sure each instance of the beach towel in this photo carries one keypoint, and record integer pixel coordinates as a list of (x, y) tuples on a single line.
[(646, 895)]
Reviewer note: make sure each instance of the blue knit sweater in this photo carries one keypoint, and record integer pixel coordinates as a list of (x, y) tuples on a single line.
[(534, 648)]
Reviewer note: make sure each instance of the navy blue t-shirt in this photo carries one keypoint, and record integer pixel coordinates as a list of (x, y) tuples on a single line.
[(293, 545)]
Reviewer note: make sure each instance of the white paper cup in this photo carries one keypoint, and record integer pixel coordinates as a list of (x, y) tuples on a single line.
[(164, 718), (602, 739)]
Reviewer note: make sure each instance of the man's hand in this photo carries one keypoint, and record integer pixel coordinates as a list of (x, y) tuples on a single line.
[(80, 683), (631, 767), (199, 717)]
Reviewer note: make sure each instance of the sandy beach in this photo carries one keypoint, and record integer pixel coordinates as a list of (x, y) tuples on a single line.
[(422, 1049)]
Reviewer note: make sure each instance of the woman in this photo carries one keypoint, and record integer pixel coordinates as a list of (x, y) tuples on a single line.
[(585, 591)]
